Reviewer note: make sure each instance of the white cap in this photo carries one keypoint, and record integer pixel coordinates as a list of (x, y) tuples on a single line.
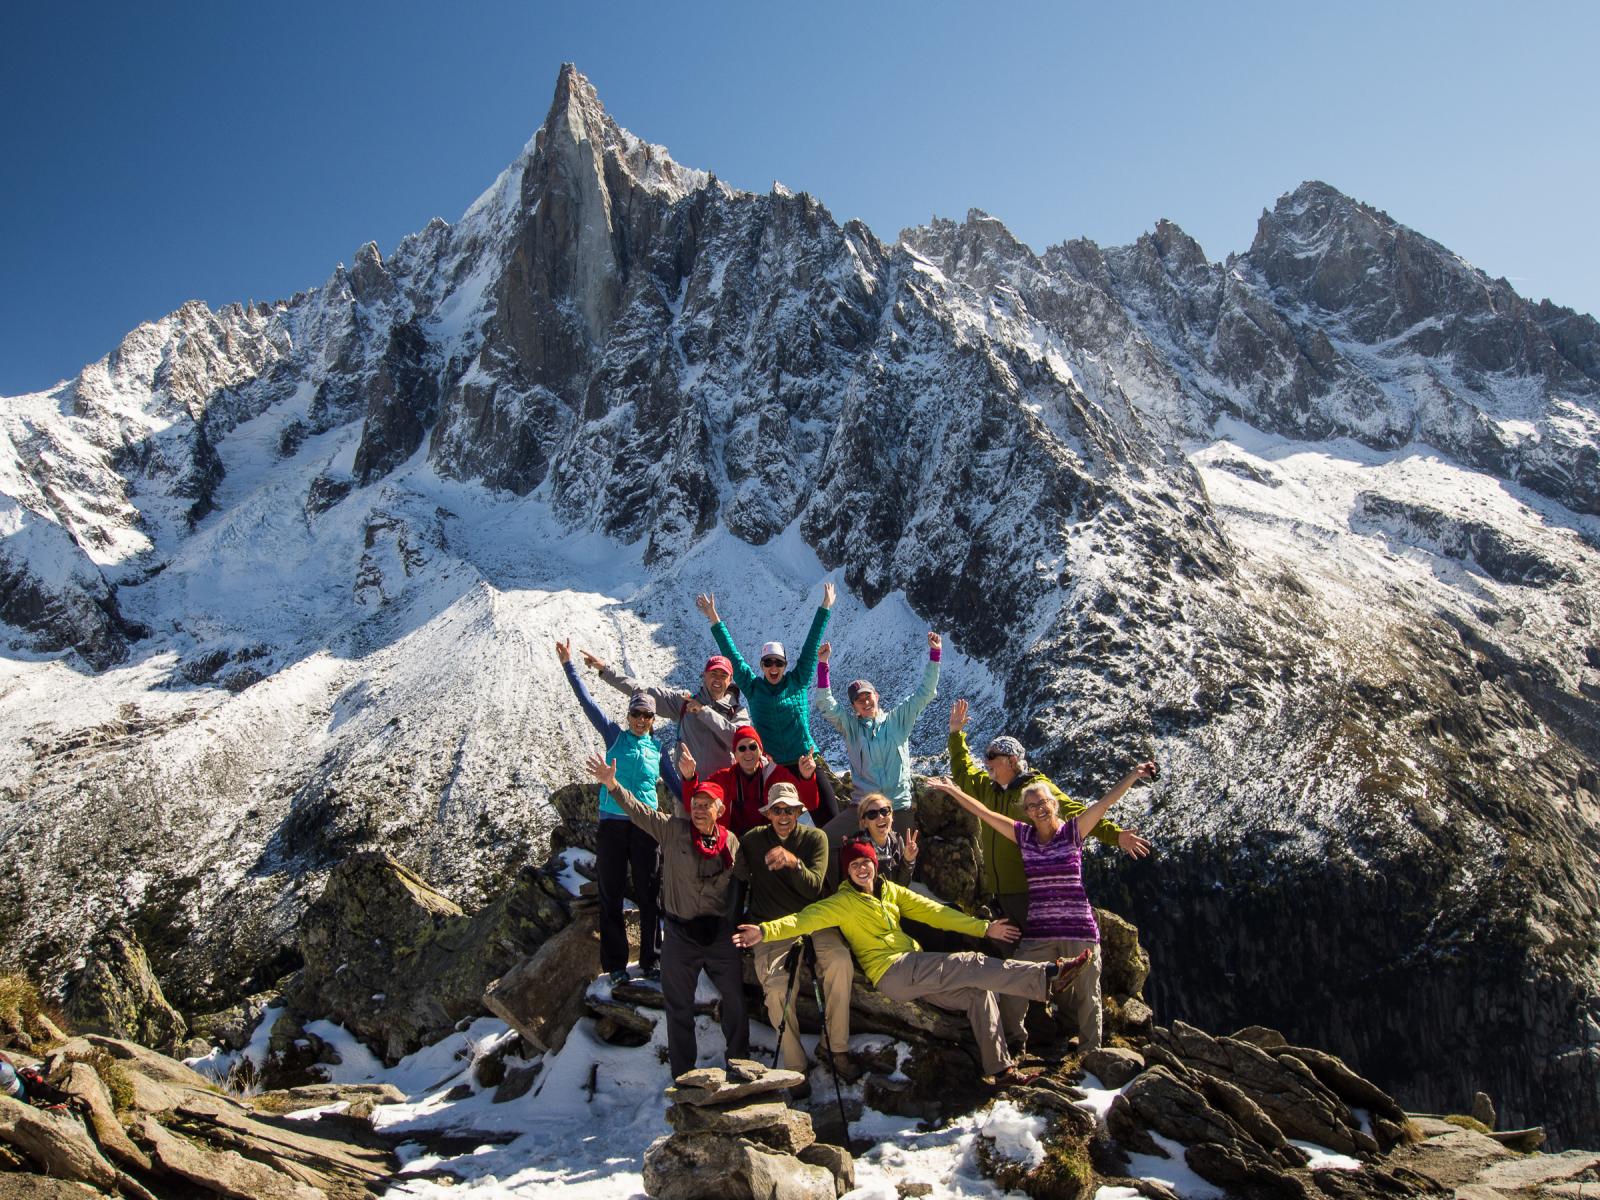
[(773, 650)]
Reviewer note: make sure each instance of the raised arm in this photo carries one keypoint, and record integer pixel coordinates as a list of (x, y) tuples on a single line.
[(904, 715), (742, 674), (1002, 825), (822, 699), (669, 703), (609, 730), (670, 774), (963, 770), (1091, 815), (807, 662)]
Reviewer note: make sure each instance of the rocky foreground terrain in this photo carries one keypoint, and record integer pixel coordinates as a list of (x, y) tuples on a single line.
[(1317, 526), (1164, 1110)]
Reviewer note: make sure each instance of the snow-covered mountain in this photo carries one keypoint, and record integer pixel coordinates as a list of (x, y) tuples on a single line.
[(1318, 526)]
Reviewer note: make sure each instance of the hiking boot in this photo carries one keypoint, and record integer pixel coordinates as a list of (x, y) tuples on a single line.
[(845, 1068), (653, 975), (1011, 1077), (1066, 971), (618, 977)]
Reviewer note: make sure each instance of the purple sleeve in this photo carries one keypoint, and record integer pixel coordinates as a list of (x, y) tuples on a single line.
[(933, 653), (1024, 831), (822, 674)]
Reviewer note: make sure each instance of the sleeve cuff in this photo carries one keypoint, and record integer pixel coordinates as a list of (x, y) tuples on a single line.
[(822, 674)]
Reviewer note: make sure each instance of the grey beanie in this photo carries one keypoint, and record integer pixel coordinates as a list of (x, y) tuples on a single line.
[(1005, 744)]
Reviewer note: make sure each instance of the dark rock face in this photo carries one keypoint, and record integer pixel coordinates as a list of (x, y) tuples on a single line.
[(398, 964)]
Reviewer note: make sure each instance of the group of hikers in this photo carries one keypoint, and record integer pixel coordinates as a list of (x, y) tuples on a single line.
[(765, 857)]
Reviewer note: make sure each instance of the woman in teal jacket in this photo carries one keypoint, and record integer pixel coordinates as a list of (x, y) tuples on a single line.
[(779, 707)]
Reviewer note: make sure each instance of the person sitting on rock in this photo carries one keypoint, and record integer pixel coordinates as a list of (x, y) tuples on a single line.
[(1060, 920), (708, 721), (777, 696), (786, 864), (877, 742), (748, 783), (897, 853), (998, 787), (620, 849), (700, 860), (868, 910)]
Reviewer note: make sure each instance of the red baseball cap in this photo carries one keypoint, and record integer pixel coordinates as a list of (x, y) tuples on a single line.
[(717, 663)]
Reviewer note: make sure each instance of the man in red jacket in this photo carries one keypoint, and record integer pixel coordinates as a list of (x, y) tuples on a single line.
[(745, 784)]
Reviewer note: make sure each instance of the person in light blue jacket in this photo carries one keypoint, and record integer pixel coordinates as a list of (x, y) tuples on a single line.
[(876, 742), (621, 849)]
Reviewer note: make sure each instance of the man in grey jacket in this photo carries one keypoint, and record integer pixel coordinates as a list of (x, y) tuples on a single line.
[(706, 720), (699, 860)]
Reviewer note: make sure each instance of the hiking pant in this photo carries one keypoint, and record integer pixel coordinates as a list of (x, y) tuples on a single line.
[(682, 960), (967, 982), (1081, 999), (622, 847), (836, 968)]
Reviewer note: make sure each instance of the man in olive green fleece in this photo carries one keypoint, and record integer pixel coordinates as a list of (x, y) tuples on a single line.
[(998, 786), (867, 911), (786, 864)]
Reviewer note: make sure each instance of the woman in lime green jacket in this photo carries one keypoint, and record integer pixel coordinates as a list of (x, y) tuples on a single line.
[(868, 910)]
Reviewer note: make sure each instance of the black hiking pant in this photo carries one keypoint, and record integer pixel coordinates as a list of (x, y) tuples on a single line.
[(621, 848), (682, 960)]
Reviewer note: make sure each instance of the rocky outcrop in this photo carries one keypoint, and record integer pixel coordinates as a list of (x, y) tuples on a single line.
[(733, 1126), (114, 992), (150, 1127), (398, 964)]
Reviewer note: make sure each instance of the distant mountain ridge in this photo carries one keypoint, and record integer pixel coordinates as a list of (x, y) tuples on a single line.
[(1319, 526)]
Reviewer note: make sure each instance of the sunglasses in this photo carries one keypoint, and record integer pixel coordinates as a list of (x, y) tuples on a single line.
[(743, 746), (773, 662), (875, 814), (994, 754)]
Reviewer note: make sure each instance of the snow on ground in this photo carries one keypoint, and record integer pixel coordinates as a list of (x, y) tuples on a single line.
[(581, 1132)]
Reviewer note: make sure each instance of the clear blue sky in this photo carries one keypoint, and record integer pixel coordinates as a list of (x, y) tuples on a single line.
[(155, 153)]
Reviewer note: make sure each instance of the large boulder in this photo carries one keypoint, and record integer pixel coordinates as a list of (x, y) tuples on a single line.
[(398, 964), (542, 997), (114, 992), (691, 1166)]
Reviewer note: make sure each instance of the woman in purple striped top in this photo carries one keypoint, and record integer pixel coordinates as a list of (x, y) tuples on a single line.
[(1060, 922)]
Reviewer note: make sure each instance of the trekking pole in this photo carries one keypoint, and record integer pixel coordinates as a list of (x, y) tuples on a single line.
[(793, 958), (827, 1042)]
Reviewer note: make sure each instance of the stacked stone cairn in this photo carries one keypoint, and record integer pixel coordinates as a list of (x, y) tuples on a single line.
[(735, 1136)]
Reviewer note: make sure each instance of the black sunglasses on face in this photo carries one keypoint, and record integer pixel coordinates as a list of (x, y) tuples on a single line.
[(994, 754), (772, 662), (743, 746), (877, 813)]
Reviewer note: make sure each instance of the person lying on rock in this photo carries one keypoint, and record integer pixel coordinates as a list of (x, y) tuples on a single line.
[(786, 865), (867, 911), (747, 784), (777, 697), (1060, 920), (877, 742), (998, 787), (620, 848), (708, 721), (897, 854), (700, 860)]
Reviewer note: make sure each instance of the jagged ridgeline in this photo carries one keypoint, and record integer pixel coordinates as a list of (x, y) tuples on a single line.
[(1316, 526)]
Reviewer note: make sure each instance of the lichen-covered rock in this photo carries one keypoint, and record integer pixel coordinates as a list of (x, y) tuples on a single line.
[(114, 992), (398, 964)]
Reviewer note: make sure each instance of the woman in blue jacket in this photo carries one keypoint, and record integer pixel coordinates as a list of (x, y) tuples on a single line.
[(877, 742), (621, 847)]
